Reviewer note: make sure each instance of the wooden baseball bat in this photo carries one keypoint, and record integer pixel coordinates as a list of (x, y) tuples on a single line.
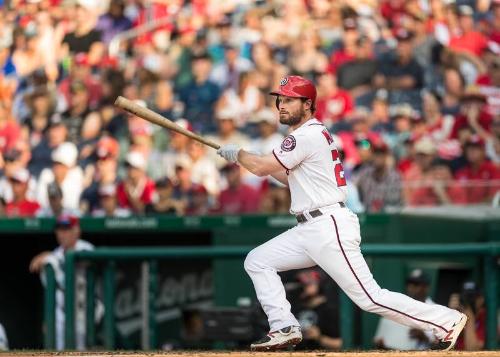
[(153, 117)]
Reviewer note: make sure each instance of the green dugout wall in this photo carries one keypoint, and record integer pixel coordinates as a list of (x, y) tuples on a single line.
[(21, 298)]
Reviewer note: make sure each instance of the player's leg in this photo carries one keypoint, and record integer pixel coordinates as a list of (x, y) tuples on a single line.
[(337, 252), (263, 263)]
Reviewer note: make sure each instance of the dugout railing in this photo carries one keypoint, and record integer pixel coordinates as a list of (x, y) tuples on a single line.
[(108, 258)]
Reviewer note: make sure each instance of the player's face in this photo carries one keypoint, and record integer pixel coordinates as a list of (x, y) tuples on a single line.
[(67, 237), (292, 110)]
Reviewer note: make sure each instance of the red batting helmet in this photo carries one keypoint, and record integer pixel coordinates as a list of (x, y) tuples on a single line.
[(297, 87)]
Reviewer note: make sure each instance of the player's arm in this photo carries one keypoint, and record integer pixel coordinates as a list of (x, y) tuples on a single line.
[(281, 176), (261, 165)]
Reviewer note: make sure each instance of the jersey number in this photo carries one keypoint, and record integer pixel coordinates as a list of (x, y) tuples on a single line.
[(339, 169)]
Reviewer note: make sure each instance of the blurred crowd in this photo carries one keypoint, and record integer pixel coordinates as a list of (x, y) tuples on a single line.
[(410, 89)]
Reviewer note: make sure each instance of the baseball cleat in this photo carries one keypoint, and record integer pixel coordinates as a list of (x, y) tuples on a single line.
[(276, 340), (448, 342)]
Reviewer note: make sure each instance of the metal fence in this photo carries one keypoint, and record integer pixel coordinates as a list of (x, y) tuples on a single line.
[(489, 253)]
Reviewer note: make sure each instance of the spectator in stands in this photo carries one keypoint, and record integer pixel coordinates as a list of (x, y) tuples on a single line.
[(419, 174), (80, 71), (305, 58), (333, 103), (393, 336), (77, 112), (41, 105), (103, 173), (113, 21), (473, 113), (440, 188), (349, 46), (203, 170), (227, 133), (269, 137), (227, 74), (468, 40), (85, 37), (356, 75), (402, 72), (477, 177), (471, 302), (41, 154), (14, 161), (244, 100), (163, 202), (177, 145), (318, 318), (65, 173), (67, 231), (200, 96), (184, 187), (20, 205), (108, 203), (9, 129), (379, 184), (200, 205), (56, 204), (136, 190), (493, 143), (238, 197)]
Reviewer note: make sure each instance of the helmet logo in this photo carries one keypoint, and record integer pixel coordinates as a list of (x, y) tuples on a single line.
[(284, 81)]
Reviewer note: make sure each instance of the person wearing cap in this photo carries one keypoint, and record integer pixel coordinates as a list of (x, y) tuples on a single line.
[(68, 233), (308, 162), (104, 172), (418, 174), (177, 145), (203, 171), (227, 132), (164, 202), (401, 72), (317, 314), (479, 178), (20, 205), (393, 336), (184, 187), (473, 113), (136, 190), (238, 197), (199, 96), (469, 40), (56, 204), (108, 203), (470, 300), (65, 173), (378, 183)]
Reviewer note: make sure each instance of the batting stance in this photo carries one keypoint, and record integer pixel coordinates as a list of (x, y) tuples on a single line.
[(328, 233)]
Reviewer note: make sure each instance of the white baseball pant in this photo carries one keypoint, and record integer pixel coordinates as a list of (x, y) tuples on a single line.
[(332, 242)]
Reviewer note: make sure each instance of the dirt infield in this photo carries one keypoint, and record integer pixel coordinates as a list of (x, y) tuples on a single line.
[(260, 354)]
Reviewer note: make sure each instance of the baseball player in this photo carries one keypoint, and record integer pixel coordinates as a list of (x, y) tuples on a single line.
[(327, 234)]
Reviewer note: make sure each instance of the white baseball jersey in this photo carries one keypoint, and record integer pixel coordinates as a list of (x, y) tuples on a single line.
[(315, 173)]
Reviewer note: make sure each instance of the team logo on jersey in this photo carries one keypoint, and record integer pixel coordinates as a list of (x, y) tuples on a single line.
[(284, 81), (289, 143)]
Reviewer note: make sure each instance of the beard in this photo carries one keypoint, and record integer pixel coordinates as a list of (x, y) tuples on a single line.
[(292, 118)]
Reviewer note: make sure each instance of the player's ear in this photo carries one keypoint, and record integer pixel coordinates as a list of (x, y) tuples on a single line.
[(308, 104)]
